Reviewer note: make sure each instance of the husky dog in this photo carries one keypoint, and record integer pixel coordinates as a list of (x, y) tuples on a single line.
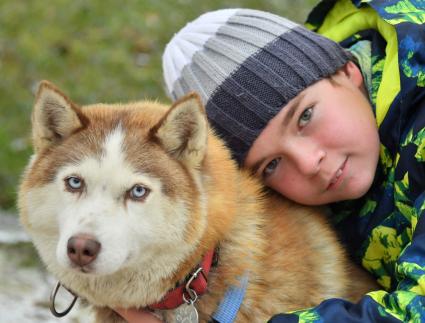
[(141, 205)]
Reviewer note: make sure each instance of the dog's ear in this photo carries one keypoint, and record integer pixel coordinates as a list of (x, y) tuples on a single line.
[(183, 131), (54, 117)]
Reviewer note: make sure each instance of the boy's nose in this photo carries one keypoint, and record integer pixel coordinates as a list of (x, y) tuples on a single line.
[(307, 159)]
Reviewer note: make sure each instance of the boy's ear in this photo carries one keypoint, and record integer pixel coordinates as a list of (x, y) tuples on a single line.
[(183, 131), (354, 74), (54, 117)]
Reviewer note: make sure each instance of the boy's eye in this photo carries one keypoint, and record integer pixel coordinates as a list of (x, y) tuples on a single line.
[(270, 167), (305, 117)]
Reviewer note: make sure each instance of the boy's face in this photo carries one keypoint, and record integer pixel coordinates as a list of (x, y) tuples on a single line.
[(323, 146)]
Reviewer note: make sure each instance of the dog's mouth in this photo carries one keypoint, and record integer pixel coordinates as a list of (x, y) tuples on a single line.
[(87, 269)]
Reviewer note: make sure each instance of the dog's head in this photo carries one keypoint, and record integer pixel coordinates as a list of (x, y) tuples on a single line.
[(112, 187)]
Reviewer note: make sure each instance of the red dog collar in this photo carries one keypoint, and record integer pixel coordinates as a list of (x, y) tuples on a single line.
[(195, 285)]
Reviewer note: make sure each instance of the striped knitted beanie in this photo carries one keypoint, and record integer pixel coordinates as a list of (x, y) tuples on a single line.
[(246, 65)]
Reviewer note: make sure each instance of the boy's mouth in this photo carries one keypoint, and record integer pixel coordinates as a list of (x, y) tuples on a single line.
[(336, 179)]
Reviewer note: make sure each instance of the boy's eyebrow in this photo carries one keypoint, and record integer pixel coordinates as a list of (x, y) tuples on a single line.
[(288, 117), (292, 108)]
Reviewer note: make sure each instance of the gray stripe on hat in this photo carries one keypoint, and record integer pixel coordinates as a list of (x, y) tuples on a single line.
[(258, 21), (211, 66)]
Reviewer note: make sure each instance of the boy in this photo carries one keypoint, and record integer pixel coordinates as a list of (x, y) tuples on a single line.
[(326, 124)]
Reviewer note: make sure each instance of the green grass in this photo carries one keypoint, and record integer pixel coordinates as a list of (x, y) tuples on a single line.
[(95, 51), (23, 254)]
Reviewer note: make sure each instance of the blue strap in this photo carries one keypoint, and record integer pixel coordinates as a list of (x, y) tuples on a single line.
[(229, 306)]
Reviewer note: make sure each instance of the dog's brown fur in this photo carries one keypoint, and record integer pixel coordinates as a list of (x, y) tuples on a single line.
[(289, 252)]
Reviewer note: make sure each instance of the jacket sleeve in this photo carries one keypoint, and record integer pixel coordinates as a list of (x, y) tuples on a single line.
[(405, 304)]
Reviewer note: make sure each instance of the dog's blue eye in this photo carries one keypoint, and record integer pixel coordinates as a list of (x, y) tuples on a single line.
[(138, 192), (74, 183)]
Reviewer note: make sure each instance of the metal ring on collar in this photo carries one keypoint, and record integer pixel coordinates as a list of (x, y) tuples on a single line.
[(53, 299), (193, 297)]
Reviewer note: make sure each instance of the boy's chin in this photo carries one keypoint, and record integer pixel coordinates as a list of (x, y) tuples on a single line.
[(353, 194), (357, 192)]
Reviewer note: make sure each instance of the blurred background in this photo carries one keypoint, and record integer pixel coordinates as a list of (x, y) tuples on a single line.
[(100, 50)]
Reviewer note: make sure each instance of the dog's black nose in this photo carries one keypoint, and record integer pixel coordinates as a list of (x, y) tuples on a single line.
[(82, 249)]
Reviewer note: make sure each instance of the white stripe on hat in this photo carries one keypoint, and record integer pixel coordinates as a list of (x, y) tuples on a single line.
[(190, 39)]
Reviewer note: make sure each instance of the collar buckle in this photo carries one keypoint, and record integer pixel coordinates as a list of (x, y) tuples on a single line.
[(193, 297)]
